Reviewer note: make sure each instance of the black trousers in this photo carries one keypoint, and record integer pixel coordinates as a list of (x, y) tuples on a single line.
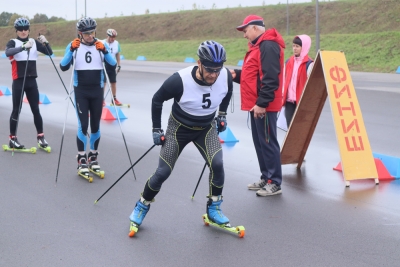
[(176, 138), (290, 108), (32, 94), (266, 143)]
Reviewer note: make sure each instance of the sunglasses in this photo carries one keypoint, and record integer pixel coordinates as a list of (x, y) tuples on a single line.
[(212, 70), (23, 28), (88, 33)]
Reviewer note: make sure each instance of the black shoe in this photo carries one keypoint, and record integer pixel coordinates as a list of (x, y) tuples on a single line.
[(14, 143)]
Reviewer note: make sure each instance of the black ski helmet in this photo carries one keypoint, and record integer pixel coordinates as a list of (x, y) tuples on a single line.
[(212, 52), (86, 24), (21, 22)]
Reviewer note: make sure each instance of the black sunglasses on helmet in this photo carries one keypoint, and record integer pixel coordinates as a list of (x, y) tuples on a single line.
[(212, 70)]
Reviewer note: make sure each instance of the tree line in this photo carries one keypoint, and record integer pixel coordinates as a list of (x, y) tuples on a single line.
[(7, 19)]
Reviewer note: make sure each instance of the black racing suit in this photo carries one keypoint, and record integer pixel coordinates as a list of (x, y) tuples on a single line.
[(184, 128), (30, 87)]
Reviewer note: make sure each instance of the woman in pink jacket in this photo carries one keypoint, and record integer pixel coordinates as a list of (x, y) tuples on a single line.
[(297, 69)]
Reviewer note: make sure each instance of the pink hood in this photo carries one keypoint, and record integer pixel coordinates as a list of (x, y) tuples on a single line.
[(306, 45)]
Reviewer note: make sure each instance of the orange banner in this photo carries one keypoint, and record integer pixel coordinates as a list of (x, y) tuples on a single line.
[(355, 150)]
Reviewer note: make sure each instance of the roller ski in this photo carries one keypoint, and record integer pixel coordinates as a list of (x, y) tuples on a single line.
[(215, 217), (15, 146), (83, 170), (119, 104), (137, 216), (94, 166), (42, 144)]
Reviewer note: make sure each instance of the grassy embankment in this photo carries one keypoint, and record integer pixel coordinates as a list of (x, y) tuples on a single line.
[(366, 30), (364, 52)]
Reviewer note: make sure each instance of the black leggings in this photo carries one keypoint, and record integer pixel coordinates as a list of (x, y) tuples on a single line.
[(290, 108), (88, 100), (176, 138), (32, 94)]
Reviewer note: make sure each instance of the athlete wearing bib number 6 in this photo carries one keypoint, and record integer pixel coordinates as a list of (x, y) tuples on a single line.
[(198, 92), (89, 55)]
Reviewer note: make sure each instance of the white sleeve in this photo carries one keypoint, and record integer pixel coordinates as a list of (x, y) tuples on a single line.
[(310, 67)]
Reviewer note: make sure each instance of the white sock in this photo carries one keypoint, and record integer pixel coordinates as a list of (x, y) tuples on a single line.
[(144, 201)]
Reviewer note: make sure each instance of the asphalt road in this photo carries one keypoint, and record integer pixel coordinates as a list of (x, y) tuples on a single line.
[(315, 222)]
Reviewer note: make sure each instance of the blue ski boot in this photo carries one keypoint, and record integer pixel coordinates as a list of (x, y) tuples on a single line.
[(214, 211), (137, 216)]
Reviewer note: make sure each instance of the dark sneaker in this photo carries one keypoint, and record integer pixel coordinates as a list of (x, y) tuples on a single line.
[(257, 185), (269, 189)]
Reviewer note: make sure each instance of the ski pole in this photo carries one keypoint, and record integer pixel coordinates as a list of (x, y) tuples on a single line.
[(119, 121), (125, 173), (69, 95), (66, 114), (201, 175), (22, 96)]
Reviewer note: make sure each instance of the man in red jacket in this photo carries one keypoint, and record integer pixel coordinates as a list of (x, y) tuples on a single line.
[(261, 79)]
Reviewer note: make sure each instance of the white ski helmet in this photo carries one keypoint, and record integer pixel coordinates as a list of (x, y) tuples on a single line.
[(112, 33)]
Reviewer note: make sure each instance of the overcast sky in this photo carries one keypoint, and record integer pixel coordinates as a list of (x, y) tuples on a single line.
[(98, 8)]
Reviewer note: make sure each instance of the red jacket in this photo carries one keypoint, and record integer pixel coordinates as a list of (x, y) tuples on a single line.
[(261, 77), (301, 77)]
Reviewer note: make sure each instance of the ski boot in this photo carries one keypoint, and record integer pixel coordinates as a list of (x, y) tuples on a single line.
[(116, 102), (14, 145), (138, 214), (42, 143), (83, 170), (215, 217), (94, 166)]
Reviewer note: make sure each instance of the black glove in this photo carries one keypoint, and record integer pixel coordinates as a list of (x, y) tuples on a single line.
[(158, 136), (118, 68), (221, 123)]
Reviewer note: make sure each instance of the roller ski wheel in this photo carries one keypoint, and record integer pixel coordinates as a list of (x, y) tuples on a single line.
[(47, 148), (86, 176), (134, 228), (24, 150), (97, 171), (239, 230)]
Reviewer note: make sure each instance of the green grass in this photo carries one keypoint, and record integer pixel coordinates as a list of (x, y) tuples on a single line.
[(366, 30), (364, 52)]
